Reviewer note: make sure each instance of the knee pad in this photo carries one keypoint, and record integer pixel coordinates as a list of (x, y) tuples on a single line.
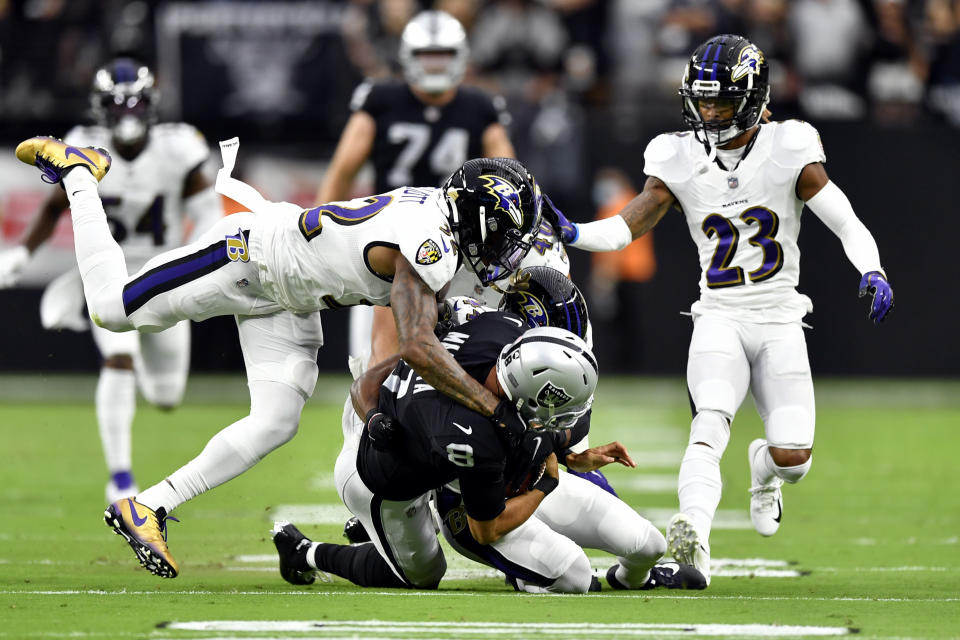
[(792, 475), (711, 428), (163, 391), (106, 309), (576, 579), (790, 427)]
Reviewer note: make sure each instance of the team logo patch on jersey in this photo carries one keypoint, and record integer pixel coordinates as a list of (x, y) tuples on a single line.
[(508, 199), (749, 62), (237, 249), (429, 252), (551, 396)]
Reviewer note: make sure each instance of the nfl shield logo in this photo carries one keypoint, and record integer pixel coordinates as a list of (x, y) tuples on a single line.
[(732, 182)]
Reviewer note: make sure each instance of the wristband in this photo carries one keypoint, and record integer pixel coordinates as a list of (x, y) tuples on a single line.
[(546, 484)]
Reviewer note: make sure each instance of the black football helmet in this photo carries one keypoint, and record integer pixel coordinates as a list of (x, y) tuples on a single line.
[(124, 99), (493, 215), (548, 299), (726, 68)]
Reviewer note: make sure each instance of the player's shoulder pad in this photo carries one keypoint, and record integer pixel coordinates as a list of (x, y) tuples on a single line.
[(796, 144), (87, 136), (425, 242), (669, 158), (374, 95), (182, 142)]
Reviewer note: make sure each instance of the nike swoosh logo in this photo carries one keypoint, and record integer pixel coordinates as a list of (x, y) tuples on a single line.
[(518, 323), (446, 249), (779, 512), (466, 430), (536, 448), (137, 520), (73, 151)]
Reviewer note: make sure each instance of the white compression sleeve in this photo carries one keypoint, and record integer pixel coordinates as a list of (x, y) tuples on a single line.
[(609, 234), (834, 209)]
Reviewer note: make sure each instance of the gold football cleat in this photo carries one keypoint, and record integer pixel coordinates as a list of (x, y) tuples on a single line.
[(145, 532), (54, 158)]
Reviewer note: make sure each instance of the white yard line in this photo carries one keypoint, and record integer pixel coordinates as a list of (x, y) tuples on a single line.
[(458, 594), (393, 628)]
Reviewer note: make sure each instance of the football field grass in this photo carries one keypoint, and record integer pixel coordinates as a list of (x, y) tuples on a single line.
[(869, 541)]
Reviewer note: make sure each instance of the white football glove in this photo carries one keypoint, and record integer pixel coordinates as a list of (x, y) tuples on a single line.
[(11, 264)]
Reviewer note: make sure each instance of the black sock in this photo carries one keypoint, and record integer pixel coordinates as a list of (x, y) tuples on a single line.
[(361, 564)]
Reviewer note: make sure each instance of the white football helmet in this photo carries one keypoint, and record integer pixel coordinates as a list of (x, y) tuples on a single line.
[(439, 33), (550, 374)]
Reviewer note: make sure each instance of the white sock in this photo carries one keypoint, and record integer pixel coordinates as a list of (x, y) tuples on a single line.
[(102, 265), (762, 468), (116, 403), (273, 420), (699, 486), (312, 555)]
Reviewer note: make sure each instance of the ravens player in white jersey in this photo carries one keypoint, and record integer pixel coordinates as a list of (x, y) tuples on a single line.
[(415, 131), (742, 186), (155, 192), (275, 268)]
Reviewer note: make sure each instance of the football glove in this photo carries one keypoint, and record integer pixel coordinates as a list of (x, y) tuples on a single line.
[(567, 230), (384, 434), (525, 460), (510, 427), (11, 265), (874, 283)]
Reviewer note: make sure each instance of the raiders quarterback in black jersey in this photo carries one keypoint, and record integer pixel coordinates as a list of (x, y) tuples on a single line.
[(388, 490)]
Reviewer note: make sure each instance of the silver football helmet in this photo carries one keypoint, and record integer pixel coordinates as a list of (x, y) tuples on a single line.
[(550, 374), (434, 51)]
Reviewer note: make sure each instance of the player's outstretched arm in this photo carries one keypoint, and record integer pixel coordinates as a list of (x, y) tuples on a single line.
[(596, 457), (496, 142), (831, 205), (517, 510), (415, 311), (614, 233), (14, 260), (352, 151)]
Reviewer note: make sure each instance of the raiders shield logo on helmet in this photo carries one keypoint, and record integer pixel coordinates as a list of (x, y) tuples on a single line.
[(552, 396), (429, 252)]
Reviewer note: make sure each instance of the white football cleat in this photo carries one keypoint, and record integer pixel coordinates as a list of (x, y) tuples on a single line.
[(686, 547), (766, 500)]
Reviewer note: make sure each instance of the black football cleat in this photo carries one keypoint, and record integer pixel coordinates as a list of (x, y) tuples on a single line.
[(354, 531), (292, 547), (669, 575)]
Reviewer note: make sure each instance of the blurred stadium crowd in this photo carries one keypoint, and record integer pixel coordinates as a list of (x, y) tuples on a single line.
[(587, 83)]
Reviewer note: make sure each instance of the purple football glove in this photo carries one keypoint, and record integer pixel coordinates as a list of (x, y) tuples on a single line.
[(567, 230), (875, 284)]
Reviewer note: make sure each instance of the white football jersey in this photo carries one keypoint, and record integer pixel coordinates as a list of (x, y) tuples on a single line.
[(744, 221), (547, 251), (317, 258), (143, 196)]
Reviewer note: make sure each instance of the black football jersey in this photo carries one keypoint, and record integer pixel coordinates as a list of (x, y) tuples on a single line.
[(443, 440), (421, 145)]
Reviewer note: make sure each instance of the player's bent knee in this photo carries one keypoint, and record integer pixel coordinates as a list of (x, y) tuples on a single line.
[(428, 576), (711, 428), (165, 396), (576, 579)]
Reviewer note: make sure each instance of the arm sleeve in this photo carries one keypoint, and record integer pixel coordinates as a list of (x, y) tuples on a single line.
[(834, 209), (609, 234)]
